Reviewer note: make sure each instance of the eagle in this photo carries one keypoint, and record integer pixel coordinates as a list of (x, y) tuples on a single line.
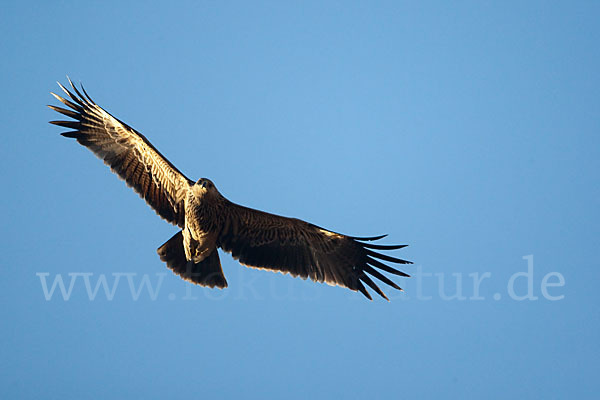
[(209, 221)]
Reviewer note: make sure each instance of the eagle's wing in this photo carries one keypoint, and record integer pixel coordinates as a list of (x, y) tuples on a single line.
[(288, 245), (128, 153)]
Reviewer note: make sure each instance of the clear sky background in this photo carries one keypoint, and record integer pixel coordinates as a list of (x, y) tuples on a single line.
[(468, 130)]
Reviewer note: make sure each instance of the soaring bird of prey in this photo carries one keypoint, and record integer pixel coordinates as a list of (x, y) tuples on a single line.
[(209, 221)]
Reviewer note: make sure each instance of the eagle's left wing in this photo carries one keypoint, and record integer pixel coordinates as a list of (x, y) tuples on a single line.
[(289, 245), (128, 153)]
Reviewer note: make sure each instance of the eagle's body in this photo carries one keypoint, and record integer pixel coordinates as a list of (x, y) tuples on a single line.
[(199, 234), (209, 221)]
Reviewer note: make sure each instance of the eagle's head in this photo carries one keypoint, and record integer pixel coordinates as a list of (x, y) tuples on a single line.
[(204, 186)]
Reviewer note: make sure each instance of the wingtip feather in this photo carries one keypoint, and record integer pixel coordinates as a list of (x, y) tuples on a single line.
[(373, 286), (362, 289), (387, 258), (87, 95), (368, 239)]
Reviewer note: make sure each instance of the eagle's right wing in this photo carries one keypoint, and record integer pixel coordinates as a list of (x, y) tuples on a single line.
[(128, 153), (289, 245)]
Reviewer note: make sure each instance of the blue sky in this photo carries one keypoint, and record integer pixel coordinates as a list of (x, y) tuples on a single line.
[(468, 130)]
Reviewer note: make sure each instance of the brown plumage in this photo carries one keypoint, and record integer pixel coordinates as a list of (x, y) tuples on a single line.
[(209, 221)]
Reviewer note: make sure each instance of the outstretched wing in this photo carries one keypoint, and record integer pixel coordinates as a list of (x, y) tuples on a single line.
[(128, 153), (288, 245)]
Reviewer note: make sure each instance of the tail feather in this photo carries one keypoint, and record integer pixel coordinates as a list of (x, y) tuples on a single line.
[(207, 272)]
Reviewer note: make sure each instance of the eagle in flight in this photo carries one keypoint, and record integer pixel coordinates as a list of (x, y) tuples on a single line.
[(209, 221)]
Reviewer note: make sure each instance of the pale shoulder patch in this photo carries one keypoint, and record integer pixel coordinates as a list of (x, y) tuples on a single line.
[(329, 233)]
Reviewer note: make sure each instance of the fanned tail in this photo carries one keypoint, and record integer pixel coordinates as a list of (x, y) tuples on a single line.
[(208, 272)]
